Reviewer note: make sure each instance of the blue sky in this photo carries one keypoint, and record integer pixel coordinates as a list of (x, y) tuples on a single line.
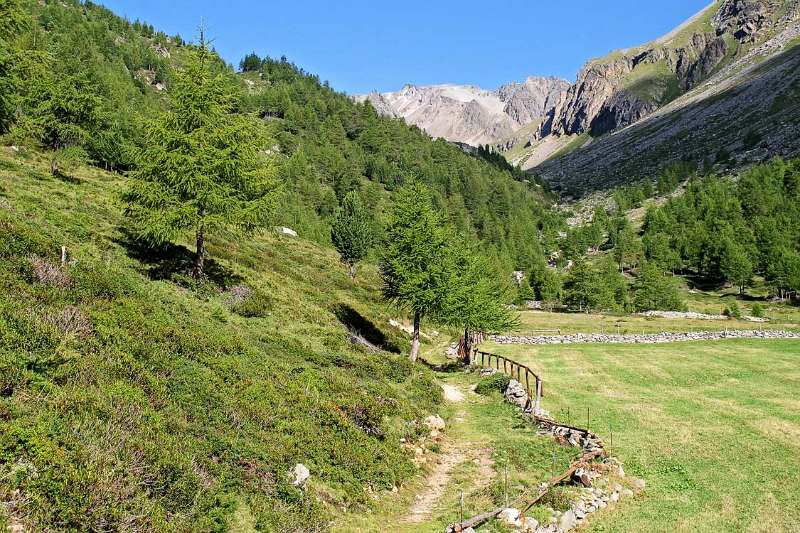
[(361, 45)]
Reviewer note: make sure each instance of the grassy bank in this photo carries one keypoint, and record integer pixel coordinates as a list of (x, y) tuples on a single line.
[(132, 397), (544, 323)]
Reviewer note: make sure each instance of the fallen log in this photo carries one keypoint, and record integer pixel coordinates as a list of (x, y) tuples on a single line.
[(475, 521)]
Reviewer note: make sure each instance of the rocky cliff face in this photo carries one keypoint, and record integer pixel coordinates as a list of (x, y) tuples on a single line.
[(614, 92), (468, 114), (532, 99), (723, 88)]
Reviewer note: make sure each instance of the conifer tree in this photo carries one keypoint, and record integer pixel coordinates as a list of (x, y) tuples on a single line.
[(203, 168), (11, 22), (654, 290), (416, 268), (581, 285), (250, 63), (736, 266), (478, 300), (627, 248), (351, 232)]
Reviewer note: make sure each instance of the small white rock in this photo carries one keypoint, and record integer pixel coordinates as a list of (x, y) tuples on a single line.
[(299, 474)]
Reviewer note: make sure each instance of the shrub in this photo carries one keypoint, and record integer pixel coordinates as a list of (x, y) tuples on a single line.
[(733, 311), (757, 310), (49, 273), (255, 305), (72, 321), (560, 499), (495, 382)]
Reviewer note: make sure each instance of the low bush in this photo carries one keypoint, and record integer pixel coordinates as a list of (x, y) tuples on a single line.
[(733, 311), (757, 310), (495, 382), (255, 305)]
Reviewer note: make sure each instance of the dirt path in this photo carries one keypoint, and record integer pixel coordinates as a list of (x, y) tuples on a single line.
[(454, 454)]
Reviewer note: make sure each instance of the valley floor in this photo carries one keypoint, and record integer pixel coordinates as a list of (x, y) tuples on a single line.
[(713, 428)]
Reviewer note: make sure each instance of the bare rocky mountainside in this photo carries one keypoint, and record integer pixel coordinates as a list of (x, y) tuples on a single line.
[(722, 89), (468, 114)]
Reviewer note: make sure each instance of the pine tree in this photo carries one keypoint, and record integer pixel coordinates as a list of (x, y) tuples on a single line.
[(416, 269), (203, 168), (250, 63), (351, 232), (581, 286), (735, 265), (627, 248), (547, 284)]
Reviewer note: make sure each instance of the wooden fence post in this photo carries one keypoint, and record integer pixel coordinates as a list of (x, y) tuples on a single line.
[(527, 383), (538, 403)]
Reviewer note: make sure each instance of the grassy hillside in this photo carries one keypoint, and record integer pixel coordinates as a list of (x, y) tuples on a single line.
[(131, 397), (711, 428)]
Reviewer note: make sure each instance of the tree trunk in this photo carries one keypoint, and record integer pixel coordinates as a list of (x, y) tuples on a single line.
[(467, 346), (53, 167), (353, 269), (415, 338), (199, 259)]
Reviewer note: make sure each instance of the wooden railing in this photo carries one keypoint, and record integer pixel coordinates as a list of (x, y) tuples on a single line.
[(522, 372)]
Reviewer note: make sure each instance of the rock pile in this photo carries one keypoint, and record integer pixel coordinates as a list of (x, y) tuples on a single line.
[(516, 394), (570, 436), (648, 338), (696, 316)]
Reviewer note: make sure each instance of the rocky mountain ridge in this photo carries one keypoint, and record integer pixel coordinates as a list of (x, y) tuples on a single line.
[(722, 89), (615, 92), (469, 114)]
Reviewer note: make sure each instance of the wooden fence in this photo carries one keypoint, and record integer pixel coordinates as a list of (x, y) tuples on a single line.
[(520, 372)]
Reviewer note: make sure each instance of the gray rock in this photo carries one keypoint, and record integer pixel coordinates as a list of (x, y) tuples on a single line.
[(435, 423), (567, 521)]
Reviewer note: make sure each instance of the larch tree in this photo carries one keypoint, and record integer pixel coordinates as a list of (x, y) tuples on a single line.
[(478, 299), (735, 265), (416, 268), (204, 168), (351, 232), (654, 290)]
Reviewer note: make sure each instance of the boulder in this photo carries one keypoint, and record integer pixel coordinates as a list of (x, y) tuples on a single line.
[(286, 231), (435, 423), (568, 521), (299, 475), (510, 516)]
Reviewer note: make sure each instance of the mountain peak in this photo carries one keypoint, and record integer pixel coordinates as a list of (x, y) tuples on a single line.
[(469, 113)]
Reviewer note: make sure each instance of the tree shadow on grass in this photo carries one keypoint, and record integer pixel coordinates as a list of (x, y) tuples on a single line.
[(356, 323), (167, 261), (449, 367), (66, 178)]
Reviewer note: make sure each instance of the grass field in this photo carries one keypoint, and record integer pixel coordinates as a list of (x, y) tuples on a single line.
[(538, 322), (713, 428)]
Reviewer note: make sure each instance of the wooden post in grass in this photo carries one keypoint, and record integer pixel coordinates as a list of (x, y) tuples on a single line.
[(63, 255), (538, 403), (527, 383)]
